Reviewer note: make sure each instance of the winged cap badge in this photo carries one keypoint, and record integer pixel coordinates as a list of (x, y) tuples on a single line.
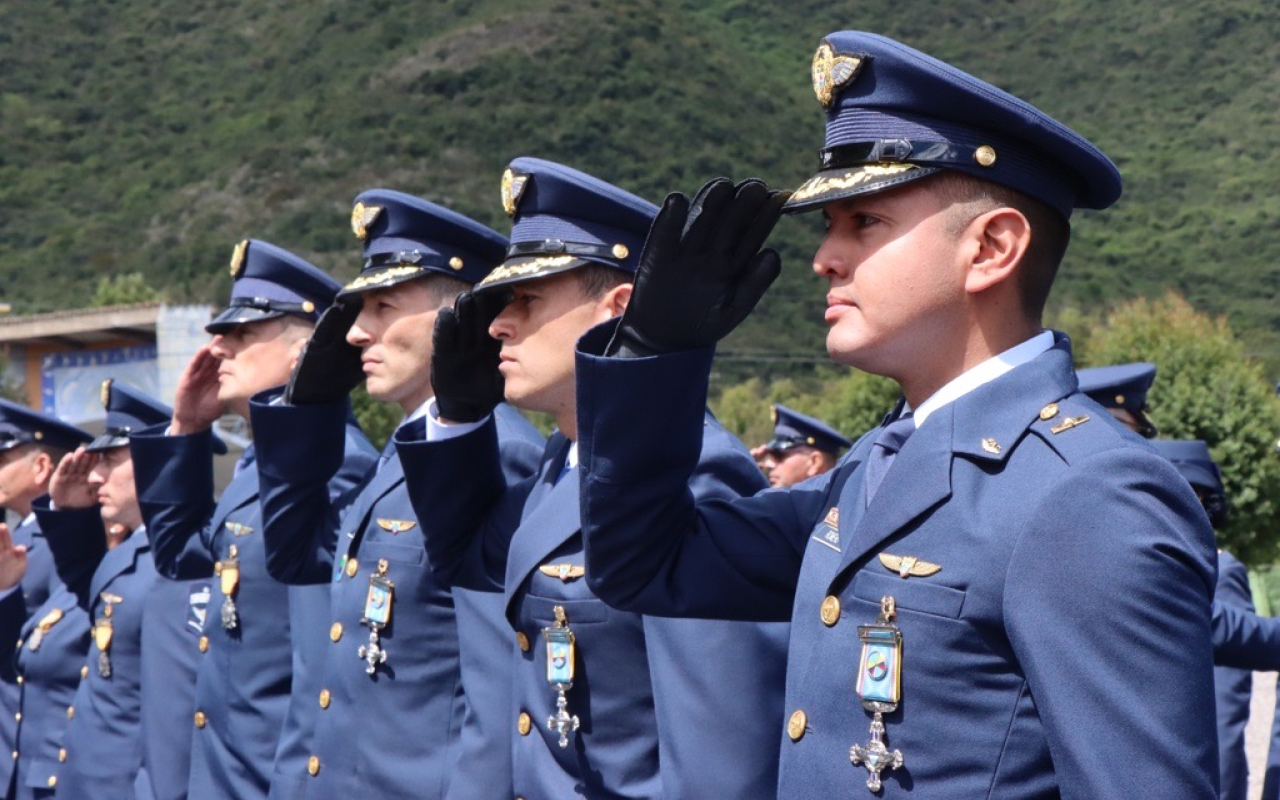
[(513, 184), (909, 566), (237, 257), (106, 392), (362, 218), (831, 72), (565, 572)]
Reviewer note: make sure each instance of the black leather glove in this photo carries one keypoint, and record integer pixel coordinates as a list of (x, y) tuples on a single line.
[(464, 360), (329, 367), (702, 270)]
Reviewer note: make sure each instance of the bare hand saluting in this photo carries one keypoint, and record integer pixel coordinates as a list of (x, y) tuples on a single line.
[(195, 404), (13, 560), (69, 487)]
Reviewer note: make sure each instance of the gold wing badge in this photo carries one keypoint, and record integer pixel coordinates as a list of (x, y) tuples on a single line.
[(565, 572), (909, 566), (395, 526)]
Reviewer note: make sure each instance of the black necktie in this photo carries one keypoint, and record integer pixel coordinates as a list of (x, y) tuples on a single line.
[(885, 449)]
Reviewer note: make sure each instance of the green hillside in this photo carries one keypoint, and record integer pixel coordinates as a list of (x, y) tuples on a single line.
[(150, 136)]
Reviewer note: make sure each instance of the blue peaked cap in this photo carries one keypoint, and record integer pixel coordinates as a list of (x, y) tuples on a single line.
[(896, 115), (791, 429), (406, 237), (271, 282), (564, 219), (1192, 458), (129, 410), (1122, 386), (20, 425)]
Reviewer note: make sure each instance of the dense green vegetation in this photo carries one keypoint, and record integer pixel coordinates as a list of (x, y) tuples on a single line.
[(149, 136)]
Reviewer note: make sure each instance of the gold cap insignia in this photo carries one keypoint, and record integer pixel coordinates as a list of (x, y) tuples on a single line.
[(39, 435), (773, 413), (106, 392), (394, 526), (1049, 412), (565, 572), (991, 446), (237, 258), (985, 156), (831, 72), (308, 306), (908, 566), (1119, 399), (455, 263), (621, 251), (362, 217), (513, 184), (238, 529)]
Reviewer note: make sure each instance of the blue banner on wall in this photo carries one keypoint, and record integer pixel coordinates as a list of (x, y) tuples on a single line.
[(71, 382)]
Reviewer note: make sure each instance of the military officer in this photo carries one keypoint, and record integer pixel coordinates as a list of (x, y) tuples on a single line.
[(1241, 638), (31, 444), (801, 448), (600, 698), (103, 754), (254, 625), (999, 592), (391, 669), (1232, 686), (1122, 389)]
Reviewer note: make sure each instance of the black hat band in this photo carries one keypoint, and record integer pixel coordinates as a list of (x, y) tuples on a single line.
[(558, 247), (893, 150), (265, 304)]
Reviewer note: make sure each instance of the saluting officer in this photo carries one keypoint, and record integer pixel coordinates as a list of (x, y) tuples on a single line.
[(34, 598), (389, 706), (254, 625), (103, 755), (1000, 592), (603, 706), (802, 447)]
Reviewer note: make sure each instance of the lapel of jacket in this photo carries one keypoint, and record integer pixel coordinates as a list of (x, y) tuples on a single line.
[(388, 479), (116, 562), (550, 518), (984, 425)]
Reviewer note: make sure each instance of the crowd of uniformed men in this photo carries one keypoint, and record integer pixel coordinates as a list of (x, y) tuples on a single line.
[(1022, 607)]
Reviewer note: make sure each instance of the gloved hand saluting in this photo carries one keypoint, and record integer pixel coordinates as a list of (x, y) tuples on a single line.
[(702, 270), (329, 366), (464, 360)]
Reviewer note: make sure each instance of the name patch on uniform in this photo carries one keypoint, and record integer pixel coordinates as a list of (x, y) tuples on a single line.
[(198, 607), (828, 532)]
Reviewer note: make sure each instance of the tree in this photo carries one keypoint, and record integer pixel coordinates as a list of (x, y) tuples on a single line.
[(123, 289), (1207, 387)]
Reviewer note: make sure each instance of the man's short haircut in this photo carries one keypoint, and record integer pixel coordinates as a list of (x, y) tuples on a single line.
[(1050, 231), (595, 280)]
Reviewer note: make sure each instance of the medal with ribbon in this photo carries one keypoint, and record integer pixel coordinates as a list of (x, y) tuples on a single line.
[(377, 615), (228, 573), (880, 689), (102, 633), (42, 628), (560, 659)]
